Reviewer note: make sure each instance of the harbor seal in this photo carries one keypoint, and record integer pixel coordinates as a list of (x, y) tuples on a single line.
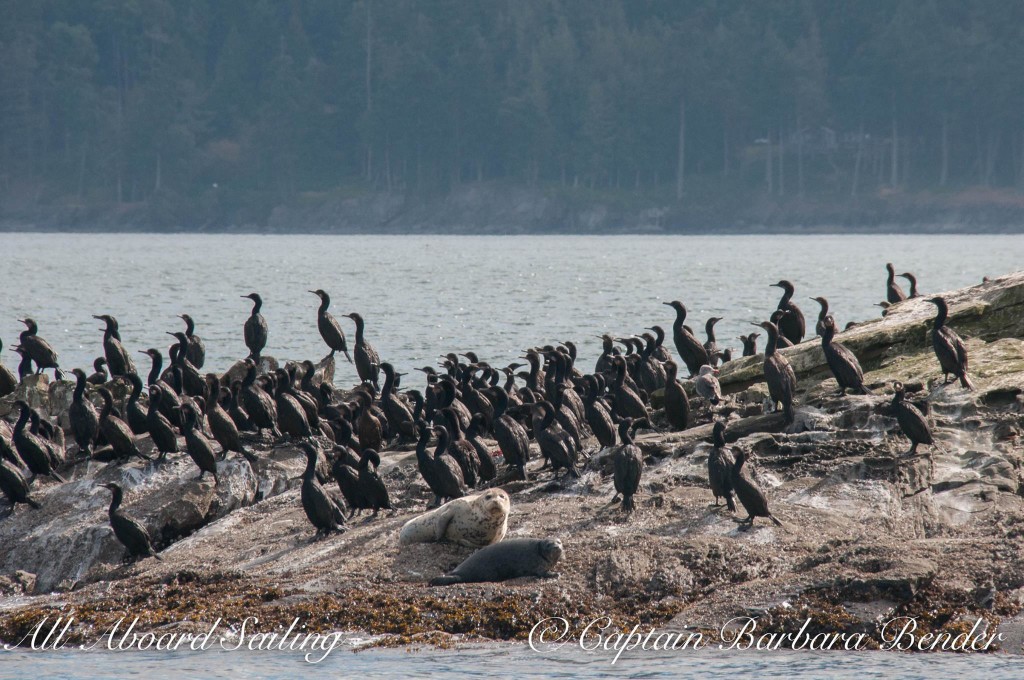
[(472, 521), (508, 559)]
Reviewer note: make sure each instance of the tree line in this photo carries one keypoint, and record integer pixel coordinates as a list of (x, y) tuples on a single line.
[(239, 105)]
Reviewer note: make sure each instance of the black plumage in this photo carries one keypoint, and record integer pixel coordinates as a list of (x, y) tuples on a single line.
[(778, 374), (913, 423), (628, 465), (720, 465), (222, 427), (791, 325), (677, 403), (511, 436), (196, 352), (32, 449), (366, 358), (85, 422), (555, 443), (137, 417), (486, 470), (255, 329), (690, 349), (160, 430), (8, 381), (598, 417), (841, 361), (129, 532), (749, 493), (116, 431), (14, 485), (35, 348), (258, 404), (118, 360), (893, 292), (330, 329), (949, 346), (198, 447), (373, 488)]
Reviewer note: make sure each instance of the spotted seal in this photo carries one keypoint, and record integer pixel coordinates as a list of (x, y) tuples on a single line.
[(472, 521), (508, 559)]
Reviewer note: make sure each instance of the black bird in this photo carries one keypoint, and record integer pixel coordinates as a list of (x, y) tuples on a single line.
[(192, 381), (677, 404), (14, 486), (778, 374), (791, 325), (555, 443), (511, 436), (750, 495), (776, 318), (822, 313), (237, 413), (222, 427), (628, 466), (913, 284), (347, 477), (8, 383), (841, 361), (85, 422), (749, 344), (597, 415), (328, 326), (628, 403), (291, 417), (35, 348), (374, 491), (138, 420), (893, 292), (367, 359), (257, 403), (660, 352), (170, 405), (911, 420), (116, 431), (99, 375), (199, 448), (31, 448), (196, 352), (949, 346), (160, 430), (691, 351), (459, 447), (129, 532), (118, 360), (486, 471), (711, 346), (323, 511), (255, 328), (398, 414), (720, 465), (25, 365)]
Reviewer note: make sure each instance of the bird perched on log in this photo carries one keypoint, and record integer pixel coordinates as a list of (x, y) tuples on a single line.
[(893, 292), (791, 325), (841, 361), (778, 373)]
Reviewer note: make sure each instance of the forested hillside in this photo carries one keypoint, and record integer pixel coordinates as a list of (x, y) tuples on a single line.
[(205, 113)]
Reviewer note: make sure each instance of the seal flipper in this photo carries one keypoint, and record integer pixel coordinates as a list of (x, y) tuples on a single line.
[(447, 580), (441, 525)]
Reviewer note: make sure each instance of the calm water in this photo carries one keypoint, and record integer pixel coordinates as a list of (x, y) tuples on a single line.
[(426, 295), (506, 661)]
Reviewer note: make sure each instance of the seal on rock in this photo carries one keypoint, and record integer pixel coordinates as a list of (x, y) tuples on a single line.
[(508, 559), (473, 521)]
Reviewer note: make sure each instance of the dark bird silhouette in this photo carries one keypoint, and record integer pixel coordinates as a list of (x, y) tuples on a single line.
[(136, 415), (711, 346), (199, 448), (791, 325), (291, 417), (85, 422), (720, 465), (192, 382), (257, 403), (749, 344), (196, 352), (222, 427), (130, 533), (778, 374), (116, 431), (255, 329), (893, 292), (323, 511), (555, 443), (35, 348), (628, 403), (235, 410), (14, 486), (911, 420), (749, 493), (628, 466), (597, 415), (118, 360), (328, 326), (822, 313), (8, 383), (486, 471), (160, 430), (459, 447), (374, 491), (841, 361), (366, 358), (346, 474), (690, 349), (949, 346), (441, 473), (170, 404), (677, 404), (99, 375), (511, 436), (913, 285), (30, 447)]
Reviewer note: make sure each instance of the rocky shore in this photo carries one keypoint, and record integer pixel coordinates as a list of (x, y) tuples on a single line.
[(870, 534)]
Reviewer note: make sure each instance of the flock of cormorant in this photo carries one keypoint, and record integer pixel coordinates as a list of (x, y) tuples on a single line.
[(556, 406)]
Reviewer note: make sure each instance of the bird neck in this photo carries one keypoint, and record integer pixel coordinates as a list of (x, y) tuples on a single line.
[(115, 502)]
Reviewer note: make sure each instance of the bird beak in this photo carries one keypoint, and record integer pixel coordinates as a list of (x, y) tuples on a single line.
[(755, 324)]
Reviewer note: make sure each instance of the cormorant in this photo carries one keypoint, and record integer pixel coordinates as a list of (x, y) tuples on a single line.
[(235, 410), (661, 353), (25, 365), (706, 385), (778, 374), (291, 417), (627, 402), (330, 329), (791, 325), (160, 430), (720, 466), (257, 403), (347, 478), (911, 420), (677, 404), (893, 292), (749, 344), (822, 313), (366, 357), (374, 491), (750, 495), (841, 361), (130, 533), (597, 415), (711, 346), (949, 347), (368, 427), (487, 470), (608, 353), (192, 381), (14, 486), (690, 350), (118, 360), (324, 512), (31, 449), (913, 284), (459, 447), (448, 481), (222, 427), (196, 352), (511, 436), (85, 422), (137, 418), (255, 328), (170, 405), (99, 375), (555, 443), (199, 448), (116, 431), (8, 383), (628, 466), (35, 348), (398, 414)]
